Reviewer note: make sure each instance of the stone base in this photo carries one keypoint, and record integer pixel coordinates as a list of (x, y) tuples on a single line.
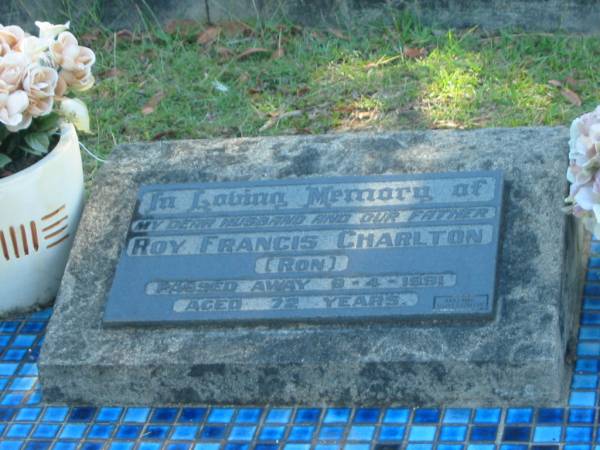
[(519, 358)]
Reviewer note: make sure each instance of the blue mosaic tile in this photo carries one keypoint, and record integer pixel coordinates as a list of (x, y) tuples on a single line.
[(483, 433), (220, 415), (331, 433), (334, 415), (129, 431), (242, 433), (367, 415), (361, 433), (426, 416), (487, 415), (582, 416), (184, 432), (81, 414), (396, 415), (422, 433), (193, 415), (547, 434), (453, 433), (139, 415), (308, 415), (109, 414), (279, 415), (457, 415), (271, 433), (517, 433), (249, 415), (156, 432), (164, 415), (582, 398), (301, 433)]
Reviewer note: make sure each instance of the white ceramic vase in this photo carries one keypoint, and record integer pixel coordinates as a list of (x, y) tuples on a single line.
[(40, 209)]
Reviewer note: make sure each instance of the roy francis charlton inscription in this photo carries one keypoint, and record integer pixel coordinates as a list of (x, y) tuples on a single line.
[(409, 246)]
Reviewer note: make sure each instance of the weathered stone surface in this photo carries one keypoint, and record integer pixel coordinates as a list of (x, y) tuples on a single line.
[(518, 358)]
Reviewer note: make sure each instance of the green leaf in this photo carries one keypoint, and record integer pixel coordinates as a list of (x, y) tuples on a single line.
[(4, 160), (38, 143), (3, 133), (46, 123)]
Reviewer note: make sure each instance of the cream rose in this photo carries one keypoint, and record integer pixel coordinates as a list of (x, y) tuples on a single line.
[(67, 53), (79, 80), (13, 67), (10, 37), (40, 85), (12, 110), (50, 31)]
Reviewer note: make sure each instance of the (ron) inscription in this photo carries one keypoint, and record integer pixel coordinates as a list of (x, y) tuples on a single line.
[(406, 246)]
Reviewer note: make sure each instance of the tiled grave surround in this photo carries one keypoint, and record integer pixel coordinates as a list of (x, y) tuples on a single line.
[(27, 423)]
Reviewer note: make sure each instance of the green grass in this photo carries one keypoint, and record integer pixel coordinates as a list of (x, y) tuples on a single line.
[(467, 79)]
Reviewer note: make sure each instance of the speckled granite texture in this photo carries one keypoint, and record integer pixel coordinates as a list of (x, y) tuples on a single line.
[(518, 358)]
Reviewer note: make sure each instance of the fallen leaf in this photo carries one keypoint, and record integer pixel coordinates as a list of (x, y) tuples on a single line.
[(571, 96), (555, 83), (302, 90), (276, 117), (125, 34), (236, 27), (572, 81), (89, 38), (414, 52), (224, 52), (153, 103), (111, 73), (279, 53), (164, 134), (208, 36), (338, 34), (252, 51), (184, 27)]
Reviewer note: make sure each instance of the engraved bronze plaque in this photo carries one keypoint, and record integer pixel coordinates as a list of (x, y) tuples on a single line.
[(420, 246)]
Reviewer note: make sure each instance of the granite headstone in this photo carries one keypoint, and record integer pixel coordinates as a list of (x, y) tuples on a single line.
[(517, 355)]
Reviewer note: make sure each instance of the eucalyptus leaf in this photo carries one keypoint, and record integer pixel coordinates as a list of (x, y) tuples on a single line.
[(48, 123), (38, 142), (4, 160)]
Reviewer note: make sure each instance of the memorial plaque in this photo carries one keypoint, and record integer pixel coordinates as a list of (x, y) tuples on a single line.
[(420, 246)]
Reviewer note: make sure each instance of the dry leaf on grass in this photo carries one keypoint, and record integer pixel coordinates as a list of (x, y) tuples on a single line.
[(151, 105), (414, 52), (224, 52), (89, 38), (208, 36), (111, 73), (572, 81), (236, 27), (125, 35), (182, 26), (274, 120), (555, 83), (252, 51), (571, 96), (164, 134), (279, 53)]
